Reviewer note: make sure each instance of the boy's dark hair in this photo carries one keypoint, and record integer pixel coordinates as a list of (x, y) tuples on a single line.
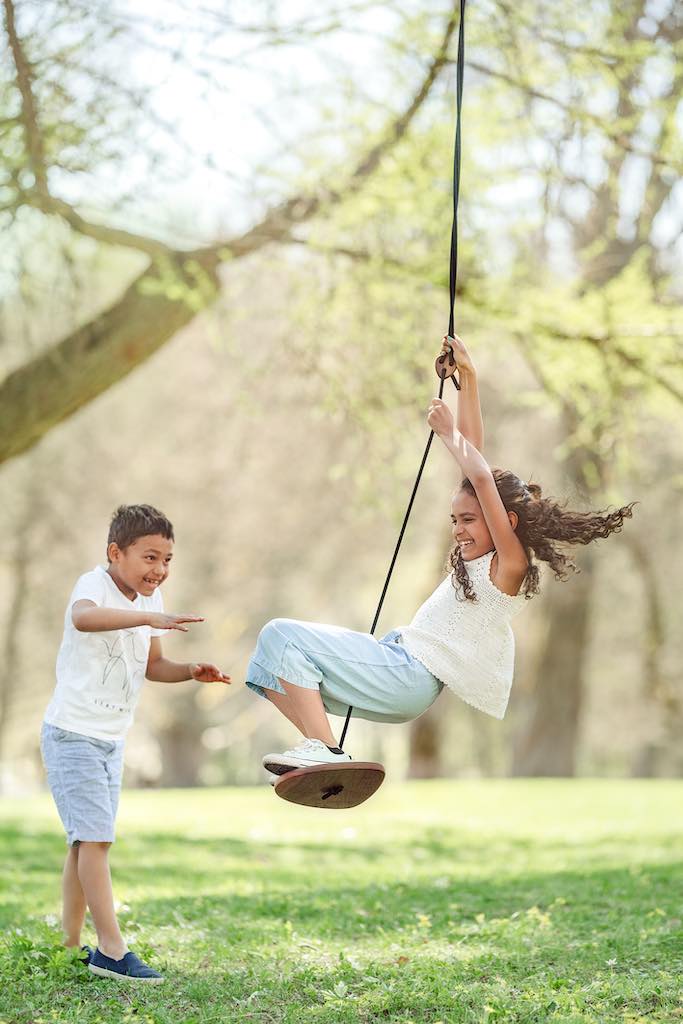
[(541, 521), (130, 522)]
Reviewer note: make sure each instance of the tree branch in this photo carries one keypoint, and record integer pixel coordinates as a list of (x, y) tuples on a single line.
[(278, 222), (598, 341), (57, 383), (618, 137), (29, 119), (544, 380), (100, 232), (640, 365), (39, 196)]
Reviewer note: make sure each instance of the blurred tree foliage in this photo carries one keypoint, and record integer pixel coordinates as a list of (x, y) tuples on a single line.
[(571, 234), (570, 228)]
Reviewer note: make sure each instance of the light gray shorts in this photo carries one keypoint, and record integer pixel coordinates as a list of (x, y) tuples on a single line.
[(380, 679), (84, 776)]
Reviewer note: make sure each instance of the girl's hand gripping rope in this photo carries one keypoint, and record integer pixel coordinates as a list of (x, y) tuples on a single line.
[(440, 419), (456, 346)]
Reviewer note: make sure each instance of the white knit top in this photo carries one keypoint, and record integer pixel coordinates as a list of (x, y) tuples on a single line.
[(468, 645)]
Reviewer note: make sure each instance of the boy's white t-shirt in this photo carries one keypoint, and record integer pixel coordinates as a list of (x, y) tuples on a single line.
[(100, 675)]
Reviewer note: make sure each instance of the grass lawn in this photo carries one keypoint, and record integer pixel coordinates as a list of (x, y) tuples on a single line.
[(500, 901)]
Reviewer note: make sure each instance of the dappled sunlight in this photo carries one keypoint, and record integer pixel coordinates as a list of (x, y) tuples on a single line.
[(252, 902)]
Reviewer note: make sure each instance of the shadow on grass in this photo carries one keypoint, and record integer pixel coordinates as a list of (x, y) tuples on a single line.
[(438, 927), (250, 888)]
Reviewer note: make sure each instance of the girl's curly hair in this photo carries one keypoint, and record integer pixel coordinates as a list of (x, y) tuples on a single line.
[(541, 521)]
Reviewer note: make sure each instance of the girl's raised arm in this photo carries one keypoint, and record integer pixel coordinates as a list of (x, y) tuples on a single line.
[(469, 420), (512, 559)]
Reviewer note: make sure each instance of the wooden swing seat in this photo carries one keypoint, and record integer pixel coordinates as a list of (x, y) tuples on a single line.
[(331, 786)]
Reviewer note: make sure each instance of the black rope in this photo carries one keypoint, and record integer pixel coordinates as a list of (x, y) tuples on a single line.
[(457, 154), (451, 319)]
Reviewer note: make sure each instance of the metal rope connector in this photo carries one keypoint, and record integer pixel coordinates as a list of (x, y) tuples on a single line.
[(446, 366)]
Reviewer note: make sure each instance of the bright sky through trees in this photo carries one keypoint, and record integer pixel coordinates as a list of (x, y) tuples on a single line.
[(227, 98)]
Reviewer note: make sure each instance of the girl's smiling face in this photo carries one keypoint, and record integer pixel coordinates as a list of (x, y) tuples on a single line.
[(470, 531)]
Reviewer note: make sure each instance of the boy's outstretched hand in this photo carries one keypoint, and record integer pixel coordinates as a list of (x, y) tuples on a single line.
[(440, 418), (164, 620), (203, 672)]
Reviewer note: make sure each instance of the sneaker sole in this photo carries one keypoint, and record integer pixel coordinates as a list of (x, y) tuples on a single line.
[(281, 768), (278, 768), (102, 972)]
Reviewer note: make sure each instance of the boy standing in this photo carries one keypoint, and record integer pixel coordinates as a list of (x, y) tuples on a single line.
[(112, 626)]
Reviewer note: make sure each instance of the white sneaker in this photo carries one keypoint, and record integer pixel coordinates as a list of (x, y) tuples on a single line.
[(305, 755)]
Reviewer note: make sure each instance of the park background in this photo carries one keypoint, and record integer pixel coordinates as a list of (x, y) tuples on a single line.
[(224, 281), (224, 273)]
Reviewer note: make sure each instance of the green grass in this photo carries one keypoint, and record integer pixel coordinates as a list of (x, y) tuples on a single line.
[(487, 902)]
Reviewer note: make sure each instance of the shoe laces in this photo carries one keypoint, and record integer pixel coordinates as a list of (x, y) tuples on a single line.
[(307, 746)]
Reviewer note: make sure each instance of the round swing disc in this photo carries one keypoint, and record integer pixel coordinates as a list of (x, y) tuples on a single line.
[(331, 785)]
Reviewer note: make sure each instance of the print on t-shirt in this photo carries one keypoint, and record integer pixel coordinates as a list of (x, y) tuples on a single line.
[(115, 670)]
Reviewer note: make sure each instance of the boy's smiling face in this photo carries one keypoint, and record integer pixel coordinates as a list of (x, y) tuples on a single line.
[(142, 566)]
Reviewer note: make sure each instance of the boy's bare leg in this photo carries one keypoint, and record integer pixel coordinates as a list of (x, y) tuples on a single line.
[(308, 707), (73, 900), (95, 879)]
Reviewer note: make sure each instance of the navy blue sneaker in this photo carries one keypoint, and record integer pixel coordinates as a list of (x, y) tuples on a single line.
[(128, 968), (87, 952)]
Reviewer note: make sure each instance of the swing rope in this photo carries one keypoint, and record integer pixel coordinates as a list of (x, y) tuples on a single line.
[(451, 319)]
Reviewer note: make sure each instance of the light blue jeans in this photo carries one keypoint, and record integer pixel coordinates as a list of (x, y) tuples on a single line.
[(84, 776), (379, 678)]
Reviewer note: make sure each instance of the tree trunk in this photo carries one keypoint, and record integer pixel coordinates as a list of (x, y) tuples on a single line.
[(656, 689), (20, 564), (58, 382), (180, 739), (547, 746), (484, 742), (425, 745)]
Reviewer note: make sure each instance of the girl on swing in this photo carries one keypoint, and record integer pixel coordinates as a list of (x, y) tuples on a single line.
[(461, 637)]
